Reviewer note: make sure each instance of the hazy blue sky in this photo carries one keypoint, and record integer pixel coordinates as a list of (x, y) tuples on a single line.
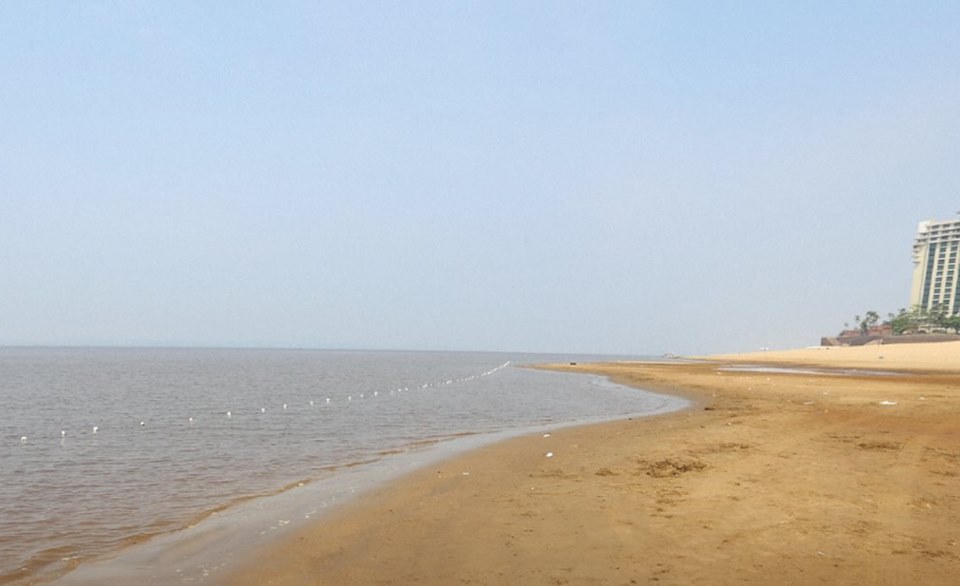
[(628, 177)]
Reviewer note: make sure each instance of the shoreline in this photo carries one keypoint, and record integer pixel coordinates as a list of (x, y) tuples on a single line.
[(210, 547), (770, 477)]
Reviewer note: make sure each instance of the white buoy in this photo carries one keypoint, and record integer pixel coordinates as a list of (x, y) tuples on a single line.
[(142, 423), (350, 398), (23, 439), (63, 433), (284, 405), (95, 429), (311, 402), (190, 419), (229, 414), (263, 410)]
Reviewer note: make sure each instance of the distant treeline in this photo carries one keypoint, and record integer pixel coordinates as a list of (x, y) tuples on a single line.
[(916, 320)]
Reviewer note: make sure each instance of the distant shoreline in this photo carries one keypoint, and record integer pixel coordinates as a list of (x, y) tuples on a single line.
[(912, 357)]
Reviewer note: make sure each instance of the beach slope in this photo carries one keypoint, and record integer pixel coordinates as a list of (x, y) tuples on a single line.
[(772, 478)]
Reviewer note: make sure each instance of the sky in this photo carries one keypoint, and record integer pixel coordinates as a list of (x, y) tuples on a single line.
[(593, 177)]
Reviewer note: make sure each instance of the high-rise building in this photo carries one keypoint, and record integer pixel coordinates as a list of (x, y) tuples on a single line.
[(935, 266)]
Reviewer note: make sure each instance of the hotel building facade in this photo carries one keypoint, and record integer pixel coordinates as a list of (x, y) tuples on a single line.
[(936, 268)]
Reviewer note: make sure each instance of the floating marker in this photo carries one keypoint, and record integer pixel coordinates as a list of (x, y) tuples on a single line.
[(94, 429)]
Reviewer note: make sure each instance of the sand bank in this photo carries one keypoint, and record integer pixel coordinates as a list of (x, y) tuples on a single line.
[(939, 357), (771, 478)]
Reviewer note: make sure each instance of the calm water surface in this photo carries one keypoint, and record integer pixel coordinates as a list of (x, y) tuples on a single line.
[(101, 448)]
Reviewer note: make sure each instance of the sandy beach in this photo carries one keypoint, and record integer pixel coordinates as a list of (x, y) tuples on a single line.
[(771, 478)]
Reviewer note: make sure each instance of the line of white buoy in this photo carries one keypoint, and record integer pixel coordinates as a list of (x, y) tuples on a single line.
[(327, 400)]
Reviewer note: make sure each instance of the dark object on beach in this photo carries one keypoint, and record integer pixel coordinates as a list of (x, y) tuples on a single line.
[(573, 364)]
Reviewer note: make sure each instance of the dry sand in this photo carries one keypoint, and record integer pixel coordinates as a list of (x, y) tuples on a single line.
[(942, 357), (772, 478)]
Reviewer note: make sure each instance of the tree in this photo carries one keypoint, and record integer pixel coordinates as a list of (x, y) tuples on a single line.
[(902, 321), (952, 322), (938, 315), (869, 319)]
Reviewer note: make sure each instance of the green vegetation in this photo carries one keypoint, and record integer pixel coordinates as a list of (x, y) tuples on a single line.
[(869, 319), (916, 320)]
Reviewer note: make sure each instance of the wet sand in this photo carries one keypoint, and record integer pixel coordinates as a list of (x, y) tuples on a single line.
[(771, 478)]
